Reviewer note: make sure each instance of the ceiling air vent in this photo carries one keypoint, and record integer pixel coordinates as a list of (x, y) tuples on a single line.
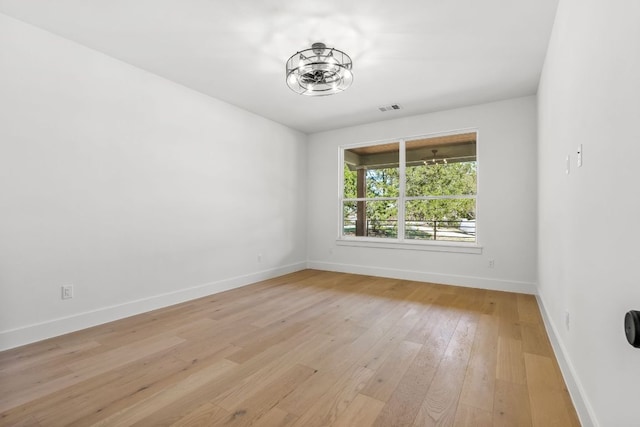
[(389, 107)]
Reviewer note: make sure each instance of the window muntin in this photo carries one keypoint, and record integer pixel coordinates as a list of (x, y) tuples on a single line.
[(417, 189)]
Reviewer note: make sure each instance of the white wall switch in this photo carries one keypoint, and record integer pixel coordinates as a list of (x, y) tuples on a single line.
[(579, 155)]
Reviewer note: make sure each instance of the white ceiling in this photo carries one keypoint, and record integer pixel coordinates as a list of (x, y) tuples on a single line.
[(426, 55)]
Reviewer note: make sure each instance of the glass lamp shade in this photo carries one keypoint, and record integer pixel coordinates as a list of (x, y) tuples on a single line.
[(319, 71)]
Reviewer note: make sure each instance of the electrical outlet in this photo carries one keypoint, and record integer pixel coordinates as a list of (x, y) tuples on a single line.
[(259, 257), (492, 263), (567, 319), (67, 292)]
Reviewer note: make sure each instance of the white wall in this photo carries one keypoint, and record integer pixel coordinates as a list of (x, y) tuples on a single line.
[(506, 200), (138, 191), (589, 234)]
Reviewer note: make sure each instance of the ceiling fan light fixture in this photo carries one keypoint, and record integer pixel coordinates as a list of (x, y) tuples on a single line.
[(436, 159), (319, 71)]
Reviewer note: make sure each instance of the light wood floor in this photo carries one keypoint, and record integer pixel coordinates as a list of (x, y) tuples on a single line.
[(307, 349)]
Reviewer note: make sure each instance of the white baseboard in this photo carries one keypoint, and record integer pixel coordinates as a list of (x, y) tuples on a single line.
[(580, 401), (60, 326), (446, 279)]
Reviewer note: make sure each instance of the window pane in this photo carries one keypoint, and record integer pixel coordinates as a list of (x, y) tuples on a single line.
[(382, 219), (350, 182), (349, 218), (446, 220), (372, 171), (383, 182), (441, 166), (373, 218)]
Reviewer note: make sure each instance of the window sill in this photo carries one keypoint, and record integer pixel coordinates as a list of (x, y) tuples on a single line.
[(464, 248)]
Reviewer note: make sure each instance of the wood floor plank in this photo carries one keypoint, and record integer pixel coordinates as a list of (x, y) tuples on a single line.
[(388, 375), (424, 326), (53, 357), (28, 421), (405, 401), (479, 382), (307, 349), (144, 379), (469, 416), (97, 398), (440, 404), (335, 401), (102, 395), (276, 417), (86, 369), (370, 348), (507, 312), (290, 305), (361, 412), (528, 308), (510, 365), (261, 339), (204, 416), (535, 340), (150, 406), (388, 342), (546, 393), (511, 407), (308, 393), (266, 398), (267, 373)]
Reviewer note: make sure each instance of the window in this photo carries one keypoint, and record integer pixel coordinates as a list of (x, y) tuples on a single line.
[(411, 190)]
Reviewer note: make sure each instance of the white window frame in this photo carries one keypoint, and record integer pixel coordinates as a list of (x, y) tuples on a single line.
[(400, 242)]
